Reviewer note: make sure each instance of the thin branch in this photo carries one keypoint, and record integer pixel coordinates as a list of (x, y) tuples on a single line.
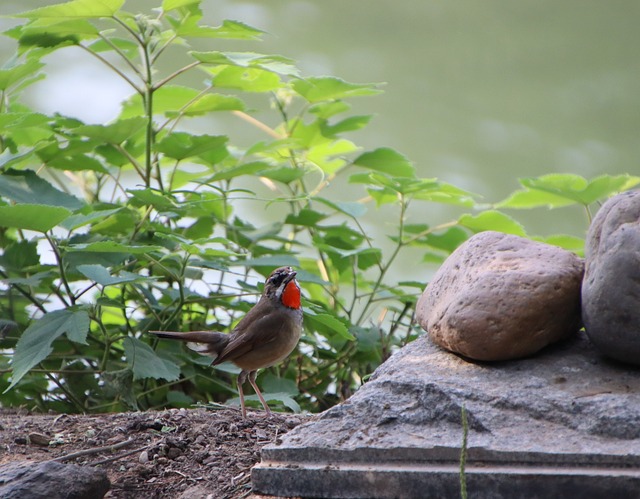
[(120, 53), (120, 456), (94, 450), (175, 74), (63, 275), (258, 124), (137, 166), (113, 68), (25, 293)]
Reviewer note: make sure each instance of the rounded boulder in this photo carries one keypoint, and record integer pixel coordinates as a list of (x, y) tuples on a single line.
[(611, 287), (500, 297)]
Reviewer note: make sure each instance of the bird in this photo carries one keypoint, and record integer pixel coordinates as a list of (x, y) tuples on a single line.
[(266, 335)]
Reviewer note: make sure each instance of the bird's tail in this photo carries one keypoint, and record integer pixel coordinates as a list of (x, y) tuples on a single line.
[(209, 343)]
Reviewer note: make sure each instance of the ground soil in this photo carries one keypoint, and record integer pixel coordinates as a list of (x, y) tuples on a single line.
[(175, 453)]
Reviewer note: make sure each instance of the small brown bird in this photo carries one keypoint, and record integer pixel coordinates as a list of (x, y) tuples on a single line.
[(265, 336)]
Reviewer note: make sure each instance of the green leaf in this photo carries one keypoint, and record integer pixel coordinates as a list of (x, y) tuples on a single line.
[(168, 5), (50, 32), (145, 363), (19, 256), (602, 187), (36, 217), (245, 79), (285, 174), (167, 99), (113, 247), (332, 323), (102, 276), (182, 145), (387, 161), (27, 187), (570, 243), (236, 171), (274, 63), (274, 384), (492, 220), (35, 343), (347, 125), (115, 133), (324, 88), (209, 103), (353, 209), (149, 197), (306, 217), (13, 74), (284, 398), (579, 189), (526, 199), (76, 8), (80, 219), (229, 30)]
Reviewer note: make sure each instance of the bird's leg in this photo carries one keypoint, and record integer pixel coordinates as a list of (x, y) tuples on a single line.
[(242, 377), (252, 380)]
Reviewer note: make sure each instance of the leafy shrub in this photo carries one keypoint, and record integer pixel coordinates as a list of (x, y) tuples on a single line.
[(110, 230)]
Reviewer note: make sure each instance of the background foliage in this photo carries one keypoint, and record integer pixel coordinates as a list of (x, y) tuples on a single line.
[(110, 230)]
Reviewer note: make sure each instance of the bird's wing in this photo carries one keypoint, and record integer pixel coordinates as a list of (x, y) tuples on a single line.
[(260, 332)]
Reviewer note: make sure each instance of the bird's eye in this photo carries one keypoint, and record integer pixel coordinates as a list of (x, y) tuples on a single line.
[(279, 275)]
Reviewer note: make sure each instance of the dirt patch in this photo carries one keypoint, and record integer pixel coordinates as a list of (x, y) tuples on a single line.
[(152, 454)]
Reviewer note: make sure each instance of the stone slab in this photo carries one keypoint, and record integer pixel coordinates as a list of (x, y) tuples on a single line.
[(564, 423)]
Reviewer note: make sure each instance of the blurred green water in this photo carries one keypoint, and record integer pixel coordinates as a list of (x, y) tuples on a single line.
[(477, 94)]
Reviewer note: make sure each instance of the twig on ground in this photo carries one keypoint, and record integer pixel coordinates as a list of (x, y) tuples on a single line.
[(94, 450)]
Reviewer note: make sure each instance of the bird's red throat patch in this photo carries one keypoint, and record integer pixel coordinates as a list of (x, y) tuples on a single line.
[(291, 295)]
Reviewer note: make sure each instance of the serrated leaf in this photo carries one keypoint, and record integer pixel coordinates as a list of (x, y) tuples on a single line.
[(112, 247), (306, 217), (347, 125), (150, 197), (333, 324), (274, 384), (285, 174), (14, 74), (387, 161), (145, 363), (526, 199), (182, 145), (35, 342), (78, 220), (492, 220), (274, 63), (167, 99), (565, 241), (114, 133), (168, 5), (324, 88), (245, 79), (229, 30), (353, 209), (102, 276), (76, 8), (210, 103), (38, 217), (27, 187), (236, 171)]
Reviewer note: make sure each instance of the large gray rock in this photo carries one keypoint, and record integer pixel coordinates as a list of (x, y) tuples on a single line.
[(611, 287), (565, 423), (51, 480), (500, 297)]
